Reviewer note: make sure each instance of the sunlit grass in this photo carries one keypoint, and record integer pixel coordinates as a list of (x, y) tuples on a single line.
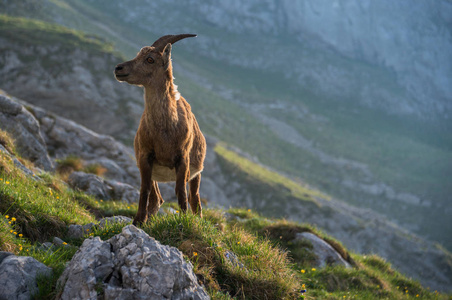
[(267, 176)]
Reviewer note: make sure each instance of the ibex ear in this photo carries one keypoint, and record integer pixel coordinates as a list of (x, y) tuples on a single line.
[(166, 54)]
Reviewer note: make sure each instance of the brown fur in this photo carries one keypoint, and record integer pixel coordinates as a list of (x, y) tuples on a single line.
[(169, 145)]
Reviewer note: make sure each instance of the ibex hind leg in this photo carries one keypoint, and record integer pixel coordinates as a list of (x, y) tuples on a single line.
[(155, 199), (182, 176), (194, 198), (157, 190)]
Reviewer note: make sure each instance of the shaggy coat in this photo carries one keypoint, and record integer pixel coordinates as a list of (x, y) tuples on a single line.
[(169, 145)]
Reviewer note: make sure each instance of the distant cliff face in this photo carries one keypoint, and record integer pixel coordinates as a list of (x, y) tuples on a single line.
[(411, 41)]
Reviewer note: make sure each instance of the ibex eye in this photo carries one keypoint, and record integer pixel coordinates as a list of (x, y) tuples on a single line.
[(150, 60)]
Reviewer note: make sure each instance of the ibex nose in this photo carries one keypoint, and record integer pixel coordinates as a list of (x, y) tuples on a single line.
[(118, 68)]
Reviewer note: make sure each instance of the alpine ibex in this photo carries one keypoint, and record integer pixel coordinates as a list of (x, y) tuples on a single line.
[(169, 145)]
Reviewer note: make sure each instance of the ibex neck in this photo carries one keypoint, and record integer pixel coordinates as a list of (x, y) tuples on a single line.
[(160, 105)]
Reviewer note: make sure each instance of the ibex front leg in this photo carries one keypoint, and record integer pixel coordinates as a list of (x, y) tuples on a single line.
[(182, 176), (145, 164)]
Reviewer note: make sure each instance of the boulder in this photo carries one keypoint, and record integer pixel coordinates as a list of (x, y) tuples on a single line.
[(25, 129), (102, 188), (18, 277), (78, 231), (326, 255), (130, 265)]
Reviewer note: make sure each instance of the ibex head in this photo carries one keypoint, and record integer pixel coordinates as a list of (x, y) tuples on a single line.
[(151, 63)]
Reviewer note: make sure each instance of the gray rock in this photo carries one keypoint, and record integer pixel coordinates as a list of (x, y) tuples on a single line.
[(102, 188), (23, 126), (90, 184), (122, 191), (91, 264), (114, 219), (18, 277), (47, 246), (78, 231), (3, 255), (130, 265), (57, 241), (75, 232), (326, 255), (233, 259)]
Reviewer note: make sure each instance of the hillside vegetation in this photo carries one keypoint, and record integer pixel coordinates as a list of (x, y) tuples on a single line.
[(33, 209)]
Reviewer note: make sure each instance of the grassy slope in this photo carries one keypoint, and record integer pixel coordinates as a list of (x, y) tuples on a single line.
[(25, 30), (33, 211)]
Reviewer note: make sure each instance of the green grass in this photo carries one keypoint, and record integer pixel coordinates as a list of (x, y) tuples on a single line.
[(272, 178), (42, 33)]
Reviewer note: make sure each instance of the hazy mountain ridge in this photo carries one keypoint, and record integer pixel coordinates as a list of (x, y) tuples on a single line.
[(410, 42)]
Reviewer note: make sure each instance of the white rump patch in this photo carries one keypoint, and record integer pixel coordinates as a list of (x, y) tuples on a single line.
[(176, 92)]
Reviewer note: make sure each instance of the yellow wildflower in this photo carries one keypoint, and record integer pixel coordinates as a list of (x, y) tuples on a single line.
[(15, 233), (11, 231), (7, 182), (249, 210), (313, 269), (302, 271), (21, 235), (13, 219), (177, 211), (64, 243), (20, 249), (303, 286), (195, 253), (238, 243), (417, 295), (7, 216)]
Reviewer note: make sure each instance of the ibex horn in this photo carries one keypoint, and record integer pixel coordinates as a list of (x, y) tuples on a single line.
[(164, 40)]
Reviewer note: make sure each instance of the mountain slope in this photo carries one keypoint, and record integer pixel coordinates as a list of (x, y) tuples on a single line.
[(301, 108), (229, 179), (260, 269), (239, 106)]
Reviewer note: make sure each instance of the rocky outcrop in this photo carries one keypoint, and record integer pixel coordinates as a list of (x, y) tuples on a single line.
[(64, 137), (130, 265), (18, 276), (39, 133), (103, 189), (21, 125), (325, 254)]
